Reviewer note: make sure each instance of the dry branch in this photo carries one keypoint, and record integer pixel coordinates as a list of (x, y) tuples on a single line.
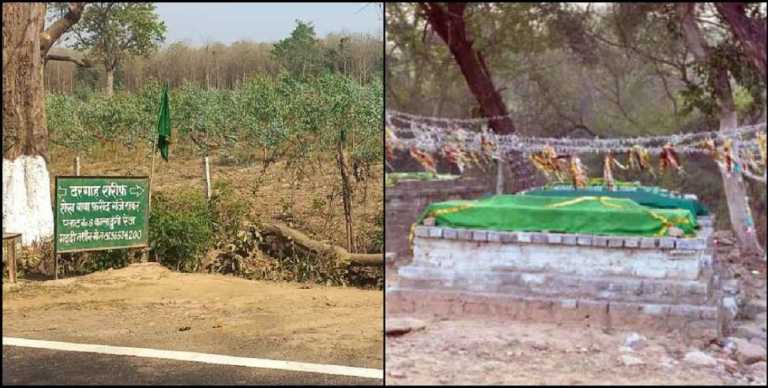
[(320, 248)]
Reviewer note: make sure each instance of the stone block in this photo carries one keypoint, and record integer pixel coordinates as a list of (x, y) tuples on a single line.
[(649, 243), (533, 279), (508, 237), (655, 309), (569, 239), (494, 236), (632, 242), (450, 234), (421, 231), (479, 235), (465, 234), (667, 243), (691, 244), (539, 238), (555, 238), (436, 232), (584, 240), (569, 303), (615, 242), (600, 241), (524, 237), (685, 310)]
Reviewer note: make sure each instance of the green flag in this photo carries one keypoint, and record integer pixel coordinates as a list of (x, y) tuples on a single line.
[(164, 125)]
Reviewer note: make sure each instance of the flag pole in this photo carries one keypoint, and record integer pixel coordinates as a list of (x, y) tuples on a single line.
[(152, 172)]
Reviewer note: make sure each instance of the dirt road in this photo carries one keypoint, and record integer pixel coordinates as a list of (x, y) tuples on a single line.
[(24, 366), (146, 305)]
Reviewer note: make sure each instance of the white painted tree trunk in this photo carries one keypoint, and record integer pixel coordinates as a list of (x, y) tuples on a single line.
[(110, 82), (27, 198)]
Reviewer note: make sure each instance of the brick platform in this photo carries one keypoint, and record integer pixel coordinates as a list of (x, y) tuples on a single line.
[(618, 281)]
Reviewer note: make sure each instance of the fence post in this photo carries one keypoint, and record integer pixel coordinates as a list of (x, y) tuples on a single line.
[(77, 165), (206, 178)]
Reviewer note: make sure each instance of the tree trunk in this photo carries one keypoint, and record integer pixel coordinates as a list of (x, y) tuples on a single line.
[(733, 183), (110, 82), (346, 193), (751, 33), (26, 183), (448, 22)]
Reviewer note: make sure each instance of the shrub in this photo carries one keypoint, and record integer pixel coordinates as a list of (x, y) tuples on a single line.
[(180, 229), (227, 210)]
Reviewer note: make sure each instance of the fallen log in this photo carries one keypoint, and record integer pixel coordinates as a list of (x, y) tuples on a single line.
[(320, 248)]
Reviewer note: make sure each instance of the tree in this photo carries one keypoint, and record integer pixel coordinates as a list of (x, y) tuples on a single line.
[(110, 32), (717, 73), (26, 182), (300, 53), (749, 31), (448, 21)]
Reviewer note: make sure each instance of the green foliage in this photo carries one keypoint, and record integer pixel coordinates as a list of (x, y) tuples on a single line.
[(102, 260), (180, 229), (284, 116), (111, 31), (228, 211), (300, 53)]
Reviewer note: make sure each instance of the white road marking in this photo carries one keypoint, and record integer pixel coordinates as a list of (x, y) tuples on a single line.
[(198, 357)]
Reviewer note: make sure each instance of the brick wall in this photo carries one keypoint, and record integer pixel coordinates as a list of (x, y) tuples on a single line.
[(406, 200)]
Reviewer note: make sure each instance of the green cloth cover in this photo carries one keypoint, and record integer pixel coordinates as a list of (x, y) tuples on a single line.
[(586, 215), (647, 196)]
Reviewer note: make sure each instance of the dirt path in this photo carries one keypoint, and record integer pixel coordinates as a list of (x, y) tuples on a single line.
[(146, 305), (483, 352)]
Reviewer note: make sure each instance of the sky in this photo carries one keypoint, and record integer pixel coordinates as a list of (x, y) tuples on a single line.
[(195, 23)]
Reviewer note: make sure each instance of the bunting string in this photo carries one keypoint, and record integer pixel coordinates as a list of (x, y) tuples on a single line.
[(740, 149)]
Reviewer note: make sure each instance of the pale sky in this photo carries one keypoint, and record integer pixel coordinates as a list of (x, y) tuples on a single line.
[(195, 23)]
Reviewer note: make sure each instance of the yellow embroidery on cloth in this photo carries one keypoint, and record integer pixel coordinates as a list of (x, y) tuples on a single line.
[(666, 223)]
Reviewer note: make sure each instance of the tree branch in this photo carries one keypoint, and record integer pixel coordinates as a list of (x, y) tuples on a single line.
[(67, 58), (58, 28), (751, 33)]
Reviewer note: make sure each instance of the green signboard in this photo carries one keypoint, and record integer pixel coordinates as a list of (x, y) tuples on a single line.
[(97, 213)]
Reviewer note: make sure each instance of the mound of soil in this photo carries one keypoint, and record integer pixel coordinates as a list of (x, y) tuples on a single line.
[(147, 305)]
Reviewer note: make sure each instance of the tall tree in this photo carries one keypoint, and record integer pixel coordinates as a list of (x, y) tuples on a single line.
[(299, 53), (448, 21), (26, 181), (749, 31), (110, 32), (735, 190)]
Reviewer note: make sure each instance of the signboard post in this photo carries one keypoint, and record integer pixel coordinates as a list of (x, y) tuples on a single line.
[(100, 212)]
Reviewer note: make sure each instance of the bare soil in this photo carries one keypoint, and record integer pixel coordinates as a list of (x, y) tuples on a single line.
[(146, 305), (498, 352)]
